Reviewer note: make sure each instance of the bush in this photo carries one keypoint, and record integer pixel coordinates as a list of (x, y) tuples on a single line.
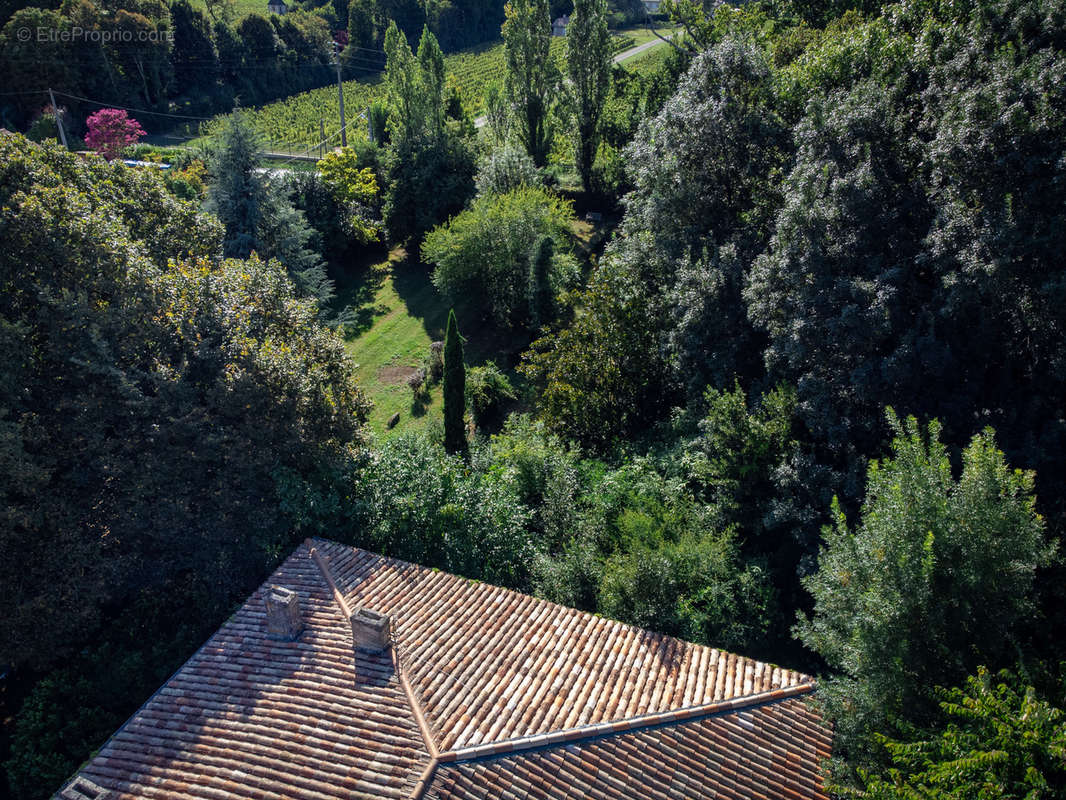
[(435, 362), (485, 254), (423, 505), (487, 391), (505, 169)]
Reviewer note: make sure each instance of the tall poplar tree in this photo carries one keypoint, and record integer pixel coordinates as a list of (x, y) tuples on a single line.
[(454, 389), (588, 56), (531, 73)]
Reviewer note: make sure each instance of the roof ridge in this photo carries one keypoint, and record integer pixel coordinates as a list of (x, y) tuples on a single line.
[(313, 541), (642, 722)]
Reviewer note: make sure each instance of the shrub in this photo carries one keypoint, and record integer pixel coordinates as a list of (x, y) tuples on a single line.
[(505, 169), (487, 391), (416, 380), (435, 362), (110, 131), (484, 254)]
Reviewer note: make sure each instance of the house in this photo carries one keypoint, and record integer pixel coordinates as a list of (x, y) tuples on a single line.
[(559, 26), (352, 675), (651, 6), (277, 7)]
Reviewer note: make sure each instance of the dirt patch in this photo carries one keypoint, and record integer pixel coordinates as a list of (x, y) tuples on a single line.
[(395, 375)]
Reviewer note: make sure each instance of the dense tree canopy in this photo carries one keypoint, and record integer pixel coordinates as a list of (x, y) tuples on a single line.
[(143, 438), (936, 579)]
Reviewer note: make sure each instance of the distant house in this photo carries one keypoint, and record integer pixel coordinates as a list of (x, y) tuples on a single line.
[(277, 7), (351, 676), (559, 26)]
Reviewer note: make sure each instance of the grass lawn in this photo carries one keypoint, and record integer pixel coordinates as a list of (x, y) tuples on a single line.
[(640, 35), (399, 314), (241, 8)]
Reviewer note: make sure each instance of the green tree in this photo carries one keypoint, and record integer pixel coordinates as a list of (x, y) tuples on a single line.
[(484, 253), (362, 28), (257, 212), (531, 73), (422, 504), (416, 85), (454, 389), (430, 168), (237, 192), (588, 59), (504, 169), (541, 285), (695, 586), (355, 187), (592, 377), (936, 579), (1001, 741), (194, 57), (155, 398)]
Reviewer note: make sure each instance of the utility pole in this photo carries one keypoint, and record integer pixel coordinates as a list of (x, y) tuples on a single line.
[(321, 137), (340, 93), (59, 118)]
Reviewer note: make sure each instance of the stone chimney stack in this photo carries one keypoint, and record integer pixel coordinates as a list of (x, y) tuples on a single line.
[(283, 618), (370, 629)]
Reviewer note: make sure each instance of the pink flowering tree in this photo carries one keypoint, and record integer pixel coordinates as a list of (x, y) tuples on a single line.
[(110, 131)]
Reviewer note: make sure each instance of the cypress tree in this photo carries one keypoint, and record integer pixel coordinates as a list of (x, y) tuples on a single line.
[(454, 389), (541, 296)]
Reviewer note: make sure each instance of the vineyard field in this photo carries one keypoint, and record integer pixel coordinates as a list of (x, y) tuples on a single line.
[(292, 125)]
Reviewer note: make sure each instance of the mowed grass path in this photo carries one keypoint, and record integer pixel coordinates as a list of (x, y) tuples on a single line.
[(400, 313)]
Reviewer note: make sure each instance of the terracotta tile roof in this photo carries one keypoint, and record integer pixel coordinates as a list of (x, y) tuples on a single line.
[(485, 693), (769, 750)]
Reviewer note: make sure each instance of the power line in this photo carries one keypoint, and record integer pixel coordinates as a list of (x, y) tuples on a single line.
[(135, 110)]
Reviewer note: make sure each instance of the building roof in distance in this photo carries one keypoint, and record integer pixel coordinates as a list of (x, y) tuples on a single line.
[(484, 693)]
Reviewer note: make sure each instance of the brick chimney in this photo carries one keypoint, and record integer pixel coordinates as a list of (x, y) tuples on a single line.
[(82, 788), (370, 629), (283, 618)]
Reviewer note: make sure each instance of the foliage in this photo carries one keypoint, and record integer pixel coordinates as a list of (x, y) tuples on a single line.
[(632, 544), (531, 73), (601, 378), (692, 587), (936, 579), (415, 86), (156, 396), (486, 253), (110, 131), (454, 389), (1001, 740), (45, 126), (487, 391), (257, 212), (347, 179), (735, 464), (355, 187), (424, 505), (504, 169), (589, 67), (71, 711), (426, 185), (188, 182)]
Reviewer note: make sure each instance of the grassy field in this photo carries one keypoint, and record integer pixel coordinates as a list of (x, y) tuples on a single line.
[(241, 8), (400, 313)]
